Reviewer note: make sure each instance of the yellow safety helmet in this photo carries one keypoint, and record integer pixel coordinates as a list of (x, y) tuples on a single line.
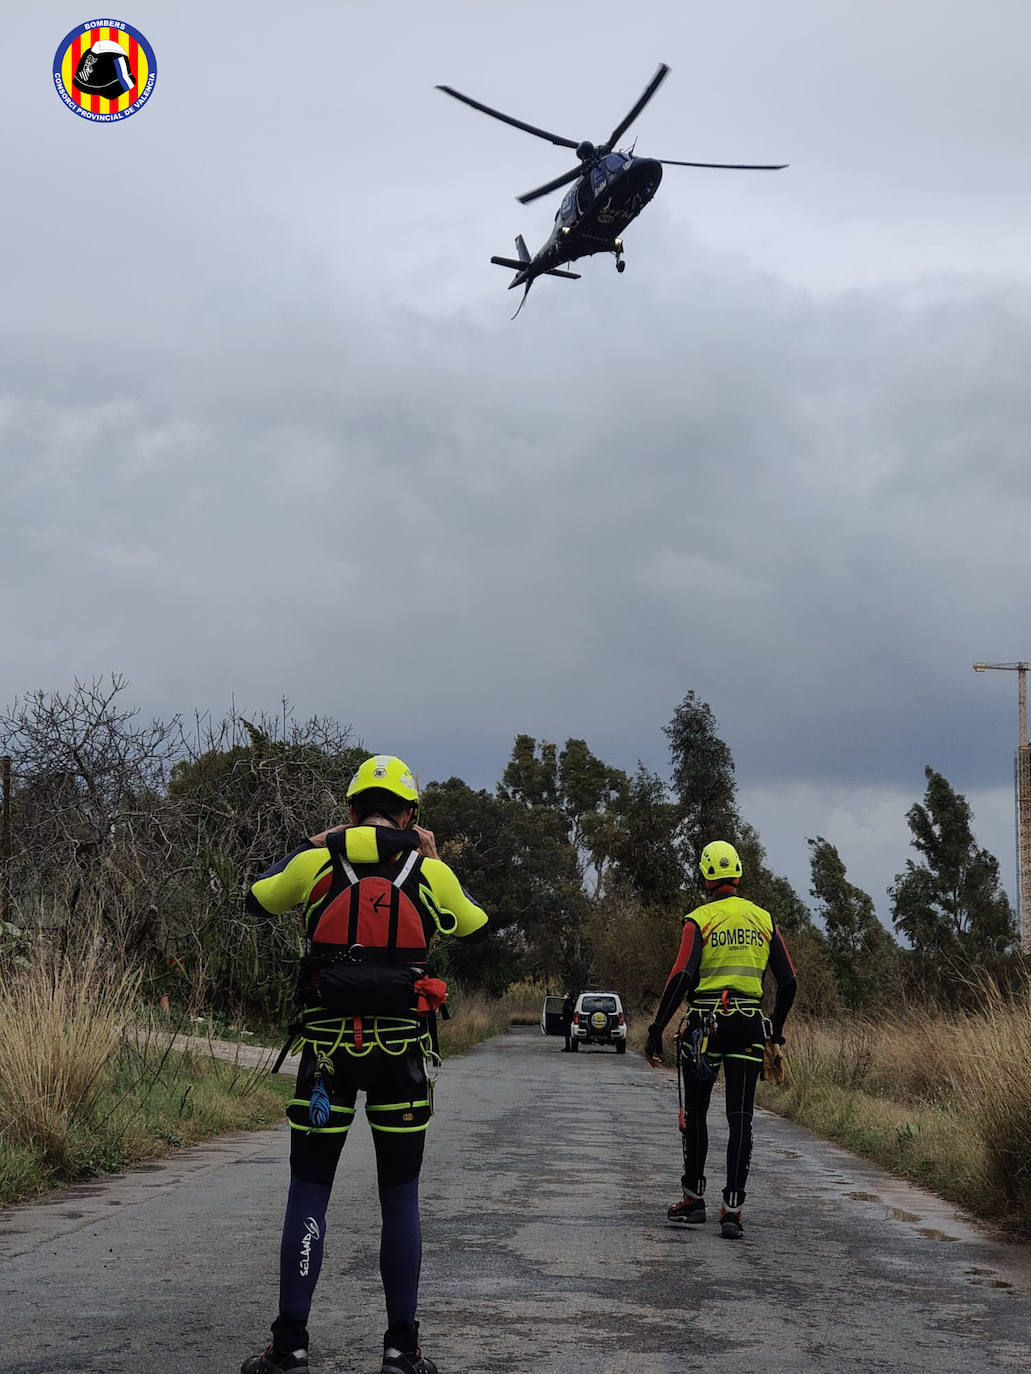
[(386, 773), (720, 860)]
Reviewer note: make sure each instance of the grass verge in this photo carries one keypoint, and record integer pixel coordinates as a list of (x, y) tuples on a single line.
[(147, 1101), (82, 1097), (943, 1100)]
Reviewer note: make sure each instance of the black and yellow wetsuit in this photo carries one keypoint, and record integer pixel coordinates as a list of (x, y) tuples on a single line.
[(382, 1055), (726, 947)]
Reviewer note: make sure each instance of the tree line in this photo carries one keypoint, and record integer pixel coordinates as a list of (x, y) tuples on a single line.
[(154, 830)]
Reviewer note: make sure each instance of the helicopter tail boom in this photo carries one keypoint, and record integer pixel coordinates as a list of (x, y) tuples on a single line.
[(520, 269)]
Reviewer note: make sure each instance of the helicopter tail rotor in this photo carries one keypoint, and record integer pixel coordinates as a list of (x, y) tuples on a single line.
[(520, 264)]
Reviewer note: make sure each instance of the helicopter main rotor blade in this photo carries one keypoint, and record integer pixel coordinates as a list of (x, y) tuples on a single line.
[(653, 85), (508, 119), (551, 186), (728, 166)]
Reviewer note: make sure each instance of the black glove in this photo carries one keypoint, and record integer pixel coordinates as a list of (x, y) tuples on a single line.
[(653, 1045)]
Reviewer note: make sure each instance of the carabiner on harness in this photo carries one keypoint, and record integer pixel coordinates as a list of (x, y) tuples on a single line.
[(695, 1043), (703, 1069)]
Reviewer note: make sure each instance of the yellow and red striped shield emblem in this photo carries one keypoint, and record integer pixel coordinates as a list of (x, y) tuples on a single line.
[(104, 70)]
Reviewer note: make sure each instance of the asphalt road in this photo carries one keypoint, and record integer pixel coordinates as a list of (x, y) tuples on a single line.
[(547, 1250)]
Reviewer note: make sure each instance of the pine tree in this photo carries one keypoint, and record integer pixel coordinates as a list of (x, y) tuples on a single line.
[(951, 906), (862, 951), (703, 778)]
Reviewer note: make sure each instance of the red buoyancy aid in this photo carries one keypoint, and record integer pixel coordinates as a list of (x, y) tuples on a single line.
[(374, 915), (368, 940), (368, 944)]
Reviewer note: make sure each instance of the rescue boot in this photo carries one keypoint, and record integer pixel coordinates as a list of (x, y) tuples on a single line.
[(286, 1352), (401, 1353), (730, 1224), (690, 1208), (275, 1361)]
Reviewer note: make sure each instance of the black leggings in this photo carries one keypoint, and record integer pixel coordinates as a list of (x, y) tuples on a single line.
[(397, 1097), (314, 1158), (398, 1109), (732, 1048)]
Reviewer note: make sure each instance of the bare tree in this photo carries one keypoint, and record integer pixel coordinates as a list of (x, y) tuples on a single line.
[(242, 794), (158, 830), (89, 784)]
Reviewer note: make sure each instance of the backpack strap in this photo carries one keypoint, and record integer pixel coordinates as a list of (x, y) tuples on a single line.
[(350, 880), (395, 898), (406, 868), (292, 1034)]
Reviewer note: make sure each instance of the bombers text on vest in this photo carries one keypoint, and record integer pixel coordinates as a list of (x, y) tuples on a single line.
[(736, 937)]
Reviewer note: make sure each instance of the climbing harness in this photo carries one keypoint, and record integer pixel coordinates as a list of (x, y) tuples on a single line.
[(363, 983)]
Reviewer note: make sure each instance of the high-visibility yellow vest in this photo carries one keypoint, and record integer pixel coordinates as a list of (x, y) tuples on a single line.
[(736, 937)]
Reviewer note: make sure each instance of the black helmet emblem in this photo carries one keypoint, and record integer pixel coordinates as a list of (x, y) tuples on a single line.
[(104, 70)]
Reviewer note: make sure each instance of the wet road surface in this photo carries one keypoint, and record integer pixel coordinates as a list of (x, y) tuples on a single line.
[(546, 1250)]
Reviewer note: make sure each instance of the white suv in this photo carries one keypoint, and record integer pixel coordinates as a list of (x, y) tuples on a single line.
[(598, 1020)]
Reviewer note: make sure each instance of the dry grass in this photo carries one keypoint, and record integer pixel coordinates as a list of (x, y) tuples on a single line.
[(80, 1095), (992, 1067), (522, 1003), (61, 1017), (942, 1099), (472, 1019)]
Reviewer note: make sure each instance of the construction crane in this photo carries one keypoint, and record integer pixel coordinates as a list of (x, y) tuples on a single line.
[(1022, 780)]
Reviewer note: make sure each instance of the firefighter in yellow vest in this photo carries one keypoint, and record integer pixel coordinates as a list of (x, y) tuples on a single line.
[(725, 949)]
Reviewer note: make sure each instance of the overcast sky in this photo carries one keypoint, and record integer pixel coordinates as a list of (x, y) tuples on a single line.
[(267, 429)]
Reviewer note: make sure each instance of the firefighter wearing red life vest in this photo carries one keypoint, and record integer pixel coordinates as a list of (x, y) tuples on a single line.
[(373, 895), (725, 949)]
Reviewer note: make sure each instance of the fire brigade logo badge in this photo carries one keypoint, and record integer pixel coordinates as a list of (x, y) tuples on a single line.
[(104, 70)]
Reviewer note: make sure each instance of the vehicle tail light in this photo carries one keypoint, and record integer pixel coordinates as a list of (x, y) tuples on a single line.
[(620, 1021), (576, 1018)]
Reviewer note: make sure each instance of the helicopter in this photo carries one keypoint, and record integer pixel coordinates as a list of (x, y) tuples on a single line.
[(610, 189)]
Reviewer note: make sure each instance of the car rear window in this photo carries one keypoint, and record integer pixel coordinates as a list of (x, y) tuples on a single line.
[(598, 1004)]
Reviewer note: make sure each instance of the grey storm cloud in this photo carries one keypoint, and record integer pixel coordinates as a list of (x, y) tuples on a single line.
[(765, 511), (781, 462)]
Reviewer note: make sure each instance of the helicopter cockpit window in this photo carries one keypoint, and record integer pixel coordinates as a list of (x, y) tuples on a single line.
[(567, 210), (614, 162), (598, 179)]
